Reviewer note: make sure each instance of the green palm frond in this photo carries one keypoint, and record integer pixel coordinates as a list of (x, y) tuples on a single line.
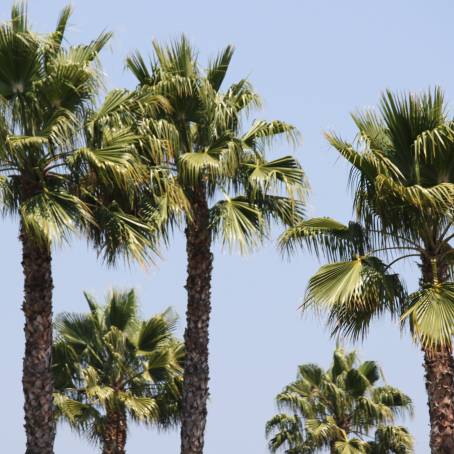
[(136, 64), (120, 309), (155, 332), (369, 164), (74, 411), (271, 175), (394, 399), (194, 165), (322, 431), (280, 209), (438, 197), (371, 371), (62, 23), (243, 97), (353, 293), (218, 67), (168, 203), (285, 431), (237, 223), (343, 282), (394, 439), (263, 133), (140, 408), (51, 215), (431, 314), (177, 58), (122, 235), (326, 236)]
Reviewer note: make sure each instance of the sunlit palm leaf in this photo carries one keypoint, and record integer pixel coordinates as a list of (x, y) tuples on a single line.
[(431, 313), (237, 223), (325, 236), (354, 293)]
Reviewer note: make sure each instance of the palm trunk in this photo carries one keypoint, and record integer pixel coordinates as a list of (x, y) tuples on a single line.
[(37, 379), (114, 436), (198, 286), (439, 366)]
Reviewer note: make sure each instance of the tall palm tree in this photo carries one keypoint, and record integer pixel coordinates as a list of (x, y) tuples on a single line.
[(110, 366), (342, 409), (403, 175), (212, 177), (46, 97)]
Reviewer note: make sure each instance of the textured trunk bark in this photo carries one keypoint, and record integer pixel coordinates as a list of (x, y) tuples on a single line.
[(439, 366), (37, 379), (114, 437), (198, 286)]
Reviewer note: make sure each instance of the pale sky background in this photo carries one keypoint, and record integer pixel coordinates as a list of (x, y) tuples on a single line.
[(313, 62)]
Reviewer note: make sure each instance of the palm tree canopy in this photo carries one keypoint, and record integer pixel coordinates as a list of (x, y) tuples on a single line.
[(58, 154), (402, 175), (343, 408), (110, 359), (402, 163), (198, 137)]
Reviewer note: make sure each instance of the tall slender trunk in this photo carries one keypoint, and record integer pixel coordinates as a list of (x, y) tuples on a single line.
[(198, 286), (114, 437), (439, 366), (37, 379)]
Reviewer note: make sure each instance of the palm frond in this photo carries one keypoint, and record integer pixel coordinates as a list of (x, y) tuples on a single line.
[(326, 236), (353, 293), (236, 222), (431, 314), (218, 67)]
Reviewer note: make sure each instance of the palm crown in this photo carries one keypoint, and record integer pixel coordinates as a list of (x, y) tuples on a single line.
[(45, 92), (109, 363), (403, 179), (198, 138), (60, 159), (342, 408)]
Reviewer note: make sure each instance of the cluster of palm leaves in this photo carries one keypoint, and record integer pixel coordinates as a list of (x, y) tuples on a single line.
[(110, 366), (341, 409), (127, 169)]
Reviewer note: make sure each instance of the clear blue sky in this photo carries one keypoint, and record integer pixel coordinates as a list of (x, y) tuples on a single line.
[(313, 62)]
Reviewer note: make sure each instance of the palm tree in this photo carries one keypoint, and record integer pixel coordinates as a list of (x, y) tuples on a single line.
[(342, 409), (212, 177), (46, 97), (110, 365), (403, 177)]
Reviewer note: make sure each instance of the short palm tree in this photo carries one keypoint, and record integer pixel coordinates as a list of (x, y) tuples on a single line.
[(212, 177), (342, 409), (47, 92), (403, 177), (110, 366)]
